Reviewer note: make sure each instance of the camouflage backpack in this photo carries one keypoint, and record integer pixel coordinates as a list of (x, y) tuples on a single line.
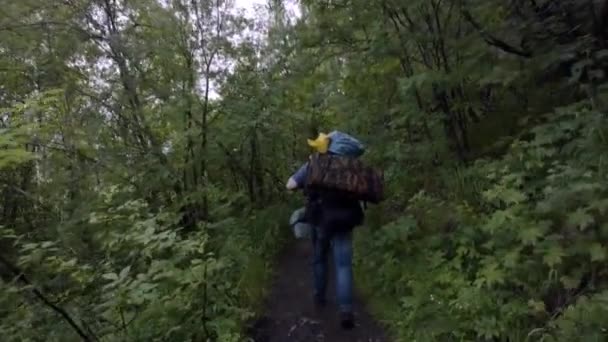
[(345, 175)]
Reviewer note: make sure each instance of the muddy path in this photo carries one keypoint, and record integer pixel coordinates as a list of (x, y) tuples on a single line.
[(290, 314)]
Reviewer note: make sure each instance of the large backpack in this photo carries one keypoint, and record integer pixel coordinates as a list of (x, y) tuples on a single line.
[(345, 175)]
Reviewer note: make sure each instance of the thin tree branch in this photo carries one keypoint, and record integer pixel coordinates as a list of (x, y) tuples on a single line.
[(62, 312), (47, 24), (491, 40)]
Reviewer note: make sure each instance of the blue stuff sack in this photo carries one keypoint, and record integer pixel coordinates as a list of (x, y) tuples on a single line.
[(345, 145), (301, 229)]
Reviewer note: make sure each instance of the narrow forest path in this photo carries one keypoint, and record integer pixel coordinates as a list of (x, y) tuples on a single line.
[(290, 315)]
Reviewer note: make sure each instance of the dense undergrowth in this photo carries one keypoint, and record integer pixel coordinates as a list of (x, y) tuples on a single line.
[(141, 279), (518, 258)]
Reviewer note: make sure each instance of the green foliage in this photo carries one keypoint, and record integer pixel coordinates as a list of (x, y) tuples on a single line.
[(141, 279), (522, 262), (136, 205)]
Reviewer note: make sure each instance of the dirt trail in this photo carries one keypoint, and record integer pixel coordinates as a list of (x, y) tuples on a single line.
[(290, 313)]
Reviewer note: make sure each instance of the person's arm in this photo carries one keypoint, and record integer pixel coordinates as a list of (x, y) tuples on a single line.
[(298, 179)]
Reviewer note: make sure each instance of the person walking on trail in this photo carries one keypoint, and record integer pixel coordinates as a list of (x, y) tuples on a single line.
[(333, 217)]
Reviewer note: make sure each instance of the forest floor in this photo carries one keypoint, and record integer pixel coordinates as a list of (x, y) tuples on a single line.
[(290, 315)]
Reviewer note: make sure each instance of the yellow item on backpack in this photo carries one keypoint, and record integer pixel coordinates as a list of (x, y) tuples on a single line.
[(320, 144)]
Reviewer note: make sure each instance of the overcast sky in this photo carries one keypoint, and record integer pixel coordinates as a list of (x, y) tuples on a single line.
[(248, 4), (249, 7)]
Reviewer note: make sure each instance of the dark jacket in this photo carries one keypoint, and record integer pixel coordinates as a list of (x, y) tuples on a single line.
[(333, 212)]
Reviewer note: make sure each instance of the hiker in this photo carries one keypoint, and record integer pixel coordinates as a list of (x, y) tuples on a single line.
[(333, 218)]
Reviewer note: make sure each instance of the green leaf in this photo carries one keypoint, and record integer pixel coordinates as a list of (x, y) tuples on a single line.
[(70, 263), (508, 196), (529, 235), (29, 246), (124, 272), (512, 258), (537, 305), (47, 244), (498, 220), (597, 252), (110, 276), (512, 196), (580, 219), (569, 282), (553, 256), (600, 205), (493, 275)]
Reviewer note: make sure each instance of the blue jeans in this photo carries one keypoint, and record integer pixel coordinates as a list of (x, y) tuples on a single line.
[(342, 245)]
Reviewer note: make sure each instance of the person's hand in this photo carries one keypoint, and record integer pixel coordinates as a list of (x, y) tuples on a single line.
[(291, 184)]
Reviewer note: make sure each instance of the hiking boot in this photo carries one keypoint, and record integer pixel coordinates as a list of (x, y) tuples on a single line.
[(347, 320)]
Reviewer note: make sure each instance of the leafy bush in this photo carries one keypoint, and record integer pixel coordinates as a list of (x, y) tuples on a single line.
[(142, 280), (523, 264)]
